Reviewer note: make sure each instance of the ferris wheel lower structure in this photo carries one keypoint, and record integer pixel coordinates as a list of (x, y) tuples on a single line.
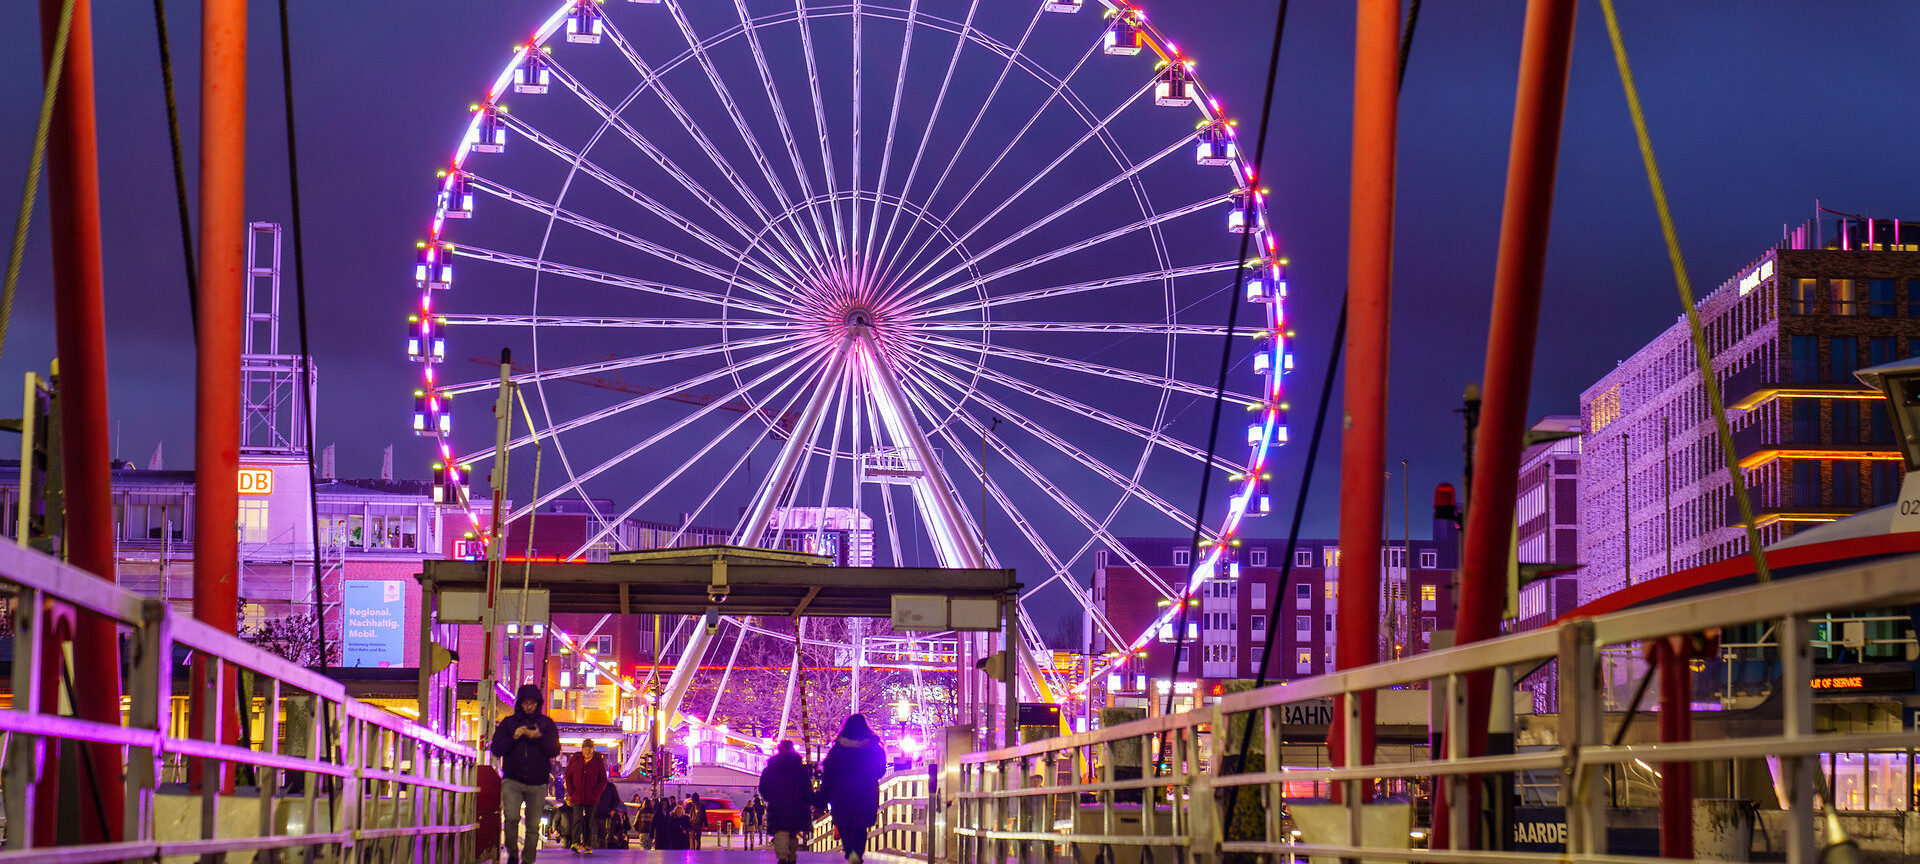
[(922, 278)]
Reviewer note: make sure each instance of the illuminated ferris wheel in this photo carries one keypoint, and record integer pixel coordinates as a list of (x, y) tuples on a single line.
[(954, 276)]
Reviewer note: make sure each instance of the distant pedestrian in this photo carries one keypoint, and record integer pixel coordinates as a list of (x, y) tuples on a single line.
[(788, 787), (643, 821), (674, 828), (697, 814), (525, 742), (586, 781), (850, 784), (756, 816)]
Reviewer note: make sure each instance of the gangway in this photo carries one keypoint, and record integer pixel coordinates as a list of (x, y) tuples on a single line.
[(1012, 803), (371, 786)]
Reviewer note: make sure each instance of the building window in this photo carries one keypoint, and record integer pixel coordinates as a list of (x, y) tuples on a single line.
[(1182, 557), (1394, 556), (1846, 358), (1806, 482), (1429, 559), (1913, 298), (253, 521), (1257, 558), (1303, 594), (1302, 624), (1806, 296), (1841, 291), (1806, 358), (1303, 558), (1259, 595), (1846, 422), (1305, 662), (1804, 420), (1259, 657), (1429, 597), (1333, 589), (1880, 298), (1846, 484), (1884, 478), (1259, 623), (1880, 350)]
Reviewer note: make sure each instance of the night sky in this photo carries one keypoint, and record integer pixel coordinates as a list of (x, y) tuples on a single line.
[(1756, 110)]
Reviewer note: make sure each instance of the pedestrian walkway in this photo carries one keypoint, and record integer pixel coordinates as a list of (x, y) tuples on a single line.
[(682, 856)]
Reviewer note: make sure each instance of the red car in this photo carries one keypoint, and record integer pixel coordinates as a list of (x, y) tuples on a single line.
[(722, 816)]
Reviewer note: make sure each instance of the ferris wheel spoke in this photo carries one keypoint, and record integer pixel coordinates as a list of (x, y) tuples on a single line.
[(580, 478), (853, 223), (1145, 378), (926, 287), (820, 121), (1013, 58), (624, 238), (1056, 254), (893, 124), (1150, 436), (731, 106), (646, 398), (1051, 490), (685, 465), (886, 489), (584, 274), (647, 202), (926, 132), (612, 118), (1094, 130), (787, 136), (1127, 485), (1165, 275), (1143, 328), (597, 367), (604, 322)]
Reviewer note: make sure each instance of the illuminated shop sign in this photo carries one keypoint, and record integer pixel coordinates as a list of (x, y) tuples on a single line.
[(1865, 682)]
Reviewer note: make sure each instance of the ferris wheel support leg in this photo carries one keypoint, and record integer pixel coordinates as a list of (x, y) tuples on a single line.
[(755, 525), (955, 542)]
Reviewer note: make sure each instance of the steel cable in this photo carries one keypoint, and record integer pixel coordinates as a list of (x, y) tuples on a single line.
[(56, 68), (179, 167)]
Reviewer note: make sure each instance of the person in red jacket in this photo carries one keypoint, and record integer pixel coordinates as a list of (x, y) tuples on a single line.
[(586, 780)]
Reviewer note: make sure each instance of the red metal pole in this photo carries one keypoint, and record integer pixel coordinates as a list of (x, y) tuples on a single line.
[(1363, 446), (223, 237), (1676, 727), (73, 192), (1539, 105)]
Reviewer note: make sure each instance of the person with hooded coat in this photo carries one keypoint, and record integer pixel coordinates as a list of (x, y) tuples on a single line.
[(787, 787), (850, 784), (525, 742)]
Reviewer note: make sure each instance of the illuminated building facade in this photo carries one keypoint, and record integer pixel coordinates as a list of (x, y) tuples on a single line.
[(1786, 333)]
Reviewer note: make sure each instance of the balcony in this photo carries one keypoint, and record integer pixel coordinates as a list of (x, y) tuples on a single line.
[(1747, 387)]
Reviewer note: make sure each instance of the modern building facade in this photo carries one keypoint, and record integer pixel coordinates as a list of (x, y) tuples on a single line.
[(1785, 333), (1547, 509), (1227, 626)]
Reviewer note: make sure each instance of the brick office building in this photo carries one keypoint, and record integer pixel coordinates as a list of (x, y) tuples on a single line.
[(1786, 333), (1227, 628)]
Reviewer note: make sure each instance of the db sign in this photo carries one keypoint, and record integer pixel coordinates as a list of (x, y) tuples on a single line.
[(256, 481)]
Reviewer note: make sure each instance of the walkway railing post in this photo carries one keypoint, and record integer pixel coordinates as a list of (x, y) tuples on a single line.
[(1800, 774), (1580, 727)]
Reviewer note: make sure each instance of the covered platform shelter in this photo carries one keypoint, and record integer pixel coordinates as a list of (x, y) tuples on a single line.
[(709, 581)]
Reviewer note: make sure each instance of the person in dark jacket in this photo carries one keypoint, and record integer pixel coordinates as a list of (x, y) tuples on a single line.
[(674, 828), (696, 814), (850, 784), (586, 780), (787, 786), (524, 742)]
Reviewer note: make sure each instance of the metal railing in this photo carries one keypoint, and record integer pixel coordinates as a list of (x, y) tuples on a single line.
[(902, 827), (1162, 782), (331, 778)]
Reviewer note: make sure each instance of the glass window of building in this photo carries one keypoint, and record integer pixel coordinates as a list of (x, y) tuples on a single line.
[(1806, 482), (1302, 624), (1181, 557), (1883, 478), (1806, 294), (1259, 623), (1429, 597), (1257, 558), (1880, 350), (253, 522), (1846, 422), (1846, 483), (1845, 352), (1429, 559), (1913, 298), (1840, 291), (1303, 558), (1804, 420), (1880, 298), (1303, 593), (1805, 357), (1887, 781)]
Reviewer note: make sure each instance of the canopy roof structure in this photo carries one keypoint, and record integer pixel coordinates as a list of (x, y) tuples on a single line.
[(746, 581)]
